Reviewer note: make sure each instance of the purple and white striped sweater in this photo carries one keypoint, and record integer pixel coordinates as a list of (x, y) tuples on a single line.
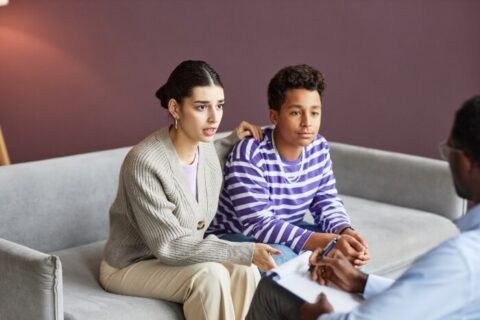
[(259, 200)]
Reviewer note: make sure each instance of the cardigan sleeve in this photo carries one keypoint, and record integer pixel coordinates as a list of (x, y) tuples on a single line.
[(169, 241)]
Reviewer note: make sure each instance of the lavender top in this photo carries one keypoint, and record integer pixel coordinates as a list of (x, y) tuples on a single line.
[(263, 195), (190, 172)]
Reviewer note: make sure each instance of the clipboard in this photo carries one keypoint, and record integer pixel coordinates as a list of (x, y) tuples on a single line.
[(294, 276)]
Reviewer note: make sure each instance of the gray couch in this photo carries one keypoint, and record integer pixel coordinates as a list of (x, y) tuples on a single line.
[(54, 222)]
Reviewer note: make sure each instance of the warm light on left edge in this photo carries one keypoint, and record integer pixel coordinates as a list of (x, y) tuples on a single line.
[(3, 2)]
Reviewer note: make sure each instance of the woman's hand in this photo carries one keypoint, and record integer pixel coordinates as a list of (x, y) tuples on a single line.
[(262, 256), (245, 129)]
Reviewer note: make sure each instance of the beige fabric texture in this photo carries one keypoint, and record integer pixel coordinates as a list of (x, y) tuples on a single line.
[(208, 290)]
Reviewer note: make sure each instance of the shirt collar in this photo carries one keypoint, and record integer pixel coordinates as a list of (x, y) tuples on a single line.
[(470, 221)]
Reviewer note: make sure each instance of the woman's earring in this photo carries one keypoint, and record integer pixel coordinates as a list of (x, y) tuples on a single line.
[(176, 124)]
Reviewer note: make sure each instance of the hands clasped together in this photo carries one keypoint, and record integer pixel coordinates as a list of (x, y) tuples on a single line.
[(352, 245), (349, 242)]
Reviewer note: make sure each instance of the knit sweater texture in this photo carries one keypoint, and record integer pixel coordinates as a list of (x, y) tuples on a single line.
[(155, 214)]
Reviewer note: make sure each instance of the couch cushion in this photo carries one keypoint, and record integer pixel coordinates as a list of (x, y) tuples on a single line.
[(30, 283), (396, 235), (61, 202), (396, 178), (84, 298)]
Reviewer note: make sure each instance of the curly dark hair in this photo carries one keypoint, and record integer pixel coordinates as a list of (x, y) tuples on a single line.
[(300, 76), (466, 128)]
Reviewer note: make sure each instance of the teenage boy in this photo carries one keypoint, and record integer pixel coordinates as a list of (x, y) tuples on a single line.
[(270, 184), (442, 284)]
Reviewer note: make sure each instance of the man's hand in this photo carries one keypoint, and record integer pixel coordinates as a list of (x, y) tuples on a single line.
[(337, 270), (311, 311)]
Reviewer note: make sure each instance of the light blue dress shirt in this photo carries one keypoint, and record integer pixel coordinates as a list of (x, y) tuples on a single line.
[(442, 284)]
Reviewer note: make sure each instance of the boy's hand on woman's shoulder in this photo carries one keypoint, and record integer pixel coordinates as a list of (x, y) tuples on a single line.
[(245, 129)]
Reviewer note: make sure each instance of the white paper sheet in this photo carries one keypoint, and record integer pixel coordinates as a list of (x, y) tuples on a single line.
[(295, 277)]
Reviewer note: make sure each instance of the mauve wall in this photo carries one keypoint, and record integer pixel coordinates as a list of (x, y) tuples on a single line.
[(78, 76)]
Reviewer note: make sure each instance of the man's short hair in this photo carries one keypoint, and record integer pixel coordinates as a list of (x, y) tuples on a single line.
[(466, 128), (300, 76)]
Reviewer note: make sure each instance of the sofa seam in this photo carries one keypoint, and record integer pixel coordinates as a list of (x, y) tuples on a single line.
[(55, 261)]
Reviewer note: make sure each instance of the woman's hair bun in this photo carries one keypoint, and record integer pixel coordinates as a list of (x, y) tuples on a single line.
[(184, 77), (161, 95)]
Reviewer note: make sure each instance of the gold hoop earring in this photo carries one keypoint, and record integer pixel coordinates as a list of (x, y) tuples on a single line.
[(176, 124)]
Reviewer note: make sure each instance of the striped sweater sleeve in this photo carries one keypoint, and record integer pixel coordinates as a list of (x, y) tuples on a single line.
[(327, 208), (170, 242), (248, 191)]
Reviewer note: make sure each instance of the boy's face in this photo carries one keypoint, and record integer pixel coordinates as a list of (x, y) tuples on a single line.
[(298, 121)]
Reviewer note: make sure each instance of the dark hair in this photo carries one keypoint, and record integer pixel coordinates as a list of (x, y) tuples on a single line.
[(466, 128), (301, 76), (183, 78)]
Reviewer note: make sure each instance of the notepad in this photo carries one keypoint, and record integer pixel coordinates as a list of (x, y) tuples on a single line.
[(295, 277)]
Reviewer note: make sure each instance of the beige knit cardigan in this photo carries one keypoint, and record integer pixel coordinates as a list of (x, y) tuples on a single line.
[(155, 214)]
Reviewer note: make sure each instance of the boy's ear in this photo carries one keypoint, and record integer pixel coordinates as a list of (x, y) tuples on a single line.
[(273, 116)]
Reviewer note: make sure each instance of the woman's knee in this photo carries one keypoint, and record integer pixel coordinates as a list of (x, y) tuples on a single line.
[(210, 273), (245, 272)]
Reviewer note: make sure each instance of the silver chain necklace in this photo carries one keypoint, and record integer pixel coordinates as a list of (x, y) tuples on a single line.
[(278, 159)]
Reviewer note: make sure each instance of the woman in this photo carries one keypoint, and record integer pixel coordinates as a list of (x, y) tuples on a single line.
[(167, 196)]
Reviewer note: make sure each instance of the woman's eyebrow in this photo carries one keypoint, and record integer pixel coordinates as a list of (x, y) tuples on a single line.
[(206, 102)]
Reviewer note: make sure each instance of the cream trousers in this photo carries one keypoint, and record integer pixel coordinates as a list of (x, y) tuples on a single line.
[(209, 290)]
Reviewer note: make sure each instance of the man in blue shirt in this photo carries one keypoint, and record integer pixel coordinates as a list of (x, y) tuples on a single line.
[(442, 284)]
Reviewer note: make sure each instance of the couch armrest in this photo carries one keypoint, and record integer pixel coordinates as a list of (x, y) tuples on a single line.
[(30, 284), (395, 178)]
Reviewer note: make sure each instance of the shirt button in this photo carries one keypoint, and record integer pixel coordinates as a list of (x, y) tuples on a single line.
[(200, 225)]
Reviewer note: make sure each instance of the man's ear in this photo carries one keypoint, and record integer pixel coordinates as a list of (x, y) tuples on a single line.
[(473, 165), (273, 116), (174, 108), (467, 162)]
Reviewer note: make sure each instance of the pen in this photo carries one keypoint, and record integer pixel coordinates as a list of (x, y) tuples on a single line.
[(329, 246), (326, 250)]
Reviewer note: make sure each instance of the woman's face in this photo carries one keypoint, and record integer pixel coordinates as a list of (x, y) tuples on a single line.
[(201, 113)]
